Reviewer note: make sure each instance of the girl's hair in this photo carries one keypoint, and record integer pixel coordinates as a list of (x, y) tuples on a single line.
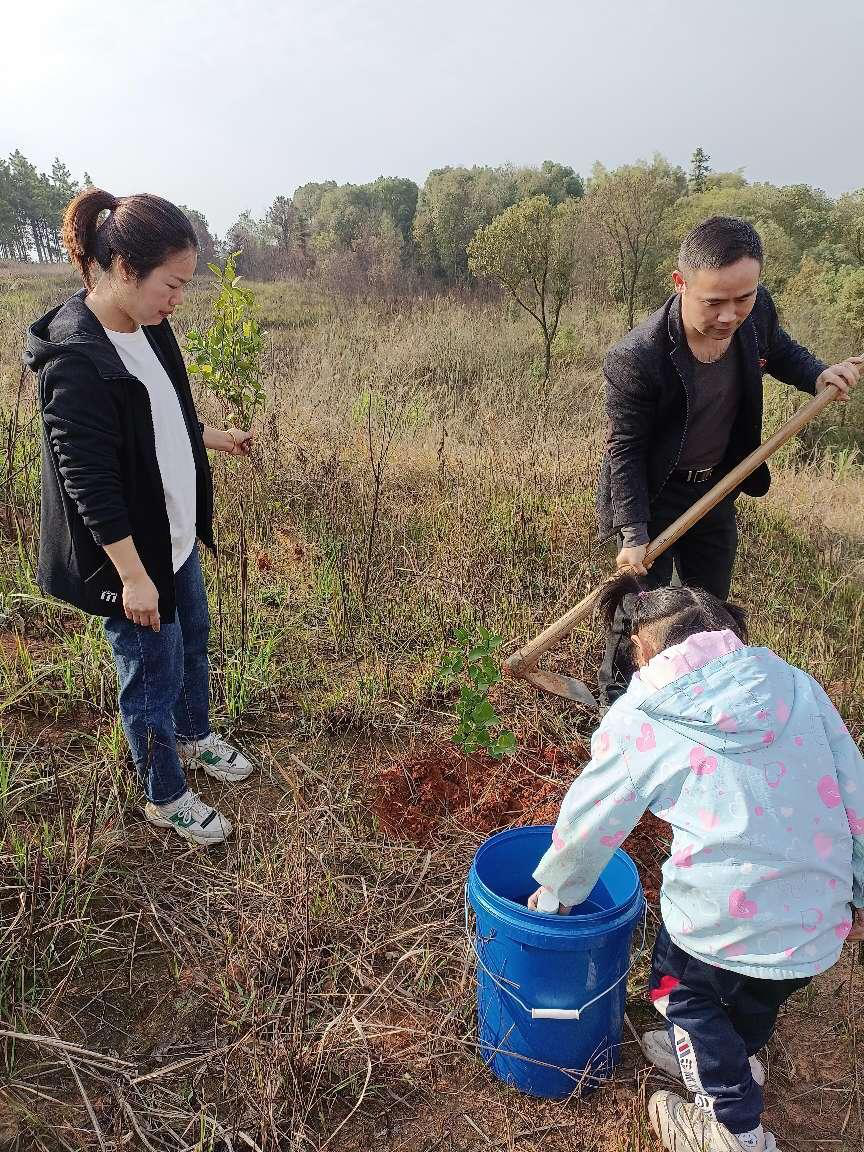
[(672, 614), (144, 230)]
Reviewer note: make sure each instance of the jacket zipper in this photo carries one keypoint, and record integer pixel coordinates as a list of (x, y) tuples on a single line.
[(93, 575)]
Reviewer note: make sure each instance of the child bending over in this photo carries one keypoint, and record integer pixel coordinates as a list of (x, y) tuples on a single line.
[(750, 764)]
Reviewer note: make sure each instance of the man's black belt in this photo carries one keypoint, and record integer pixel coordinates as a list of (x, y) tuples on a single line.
[(694, 475)]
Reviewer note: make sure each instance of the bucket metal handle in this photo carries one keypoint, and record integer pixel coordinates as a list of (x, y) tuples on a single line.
[(554, 1013)]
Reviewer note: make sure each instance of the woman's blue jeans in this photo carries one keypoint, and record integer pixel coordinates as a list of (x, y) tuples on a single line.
[(165, 684)]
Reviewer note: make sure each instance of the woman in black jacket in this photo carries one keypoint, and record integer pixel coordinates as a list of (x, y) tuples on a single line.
[(127, 489)]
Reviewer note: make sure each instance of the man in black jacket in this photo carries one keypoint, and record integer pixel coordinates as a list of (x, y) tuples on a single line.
[(684, 404)]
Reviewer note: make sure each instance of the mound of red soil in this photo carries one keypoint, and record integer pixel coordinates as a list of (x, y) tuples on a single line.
[(415, 794)]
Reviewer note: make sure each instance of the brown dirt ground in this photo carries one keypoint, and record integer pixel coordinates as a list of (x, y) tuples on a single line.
[(452, 1104)]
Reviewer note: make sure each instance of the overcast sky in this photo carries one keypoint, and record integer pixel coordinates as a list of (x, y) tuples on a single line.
[(225, 104)]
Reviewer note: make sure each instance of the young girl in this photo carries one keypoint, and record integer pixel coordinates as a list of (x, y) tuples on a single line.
[(750, 764), (127, 490)]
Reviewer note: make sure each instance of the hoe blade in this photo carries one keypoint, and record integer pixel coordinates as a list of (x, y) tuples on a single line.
[(566, 686)]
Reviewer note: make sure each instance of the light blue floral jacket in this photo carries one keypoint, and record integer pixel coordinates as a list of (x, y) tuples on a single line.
[(752, 767)]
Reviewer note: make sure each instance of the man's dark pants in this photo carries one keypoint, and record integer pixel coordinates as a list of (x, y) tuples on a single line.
[(704, 558)]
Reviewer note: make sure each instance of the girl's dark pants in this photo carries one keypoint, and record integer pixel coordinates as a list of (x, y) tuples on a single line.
[(703, 558), (718, 1020)]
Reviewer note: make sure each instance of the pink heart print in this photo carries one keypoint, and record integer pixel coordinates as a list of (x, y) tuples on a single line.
[(856, 822), (614, 840), (823, 844), (727, 723), (646, 741), (828, 791), (811, 918), (740, 907), (698, 689), (701, 763), (707, 819), (557, 840), (782, 712), (603, 741), (684, 858), (843, 929), (768, 738), (774, 773), (799, 740)]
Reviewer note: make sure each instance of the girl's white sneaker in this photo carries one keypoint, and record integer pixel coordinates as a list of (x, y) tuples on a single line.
[(683, 1127), (216, 756), (190, 818), (658, 1050)]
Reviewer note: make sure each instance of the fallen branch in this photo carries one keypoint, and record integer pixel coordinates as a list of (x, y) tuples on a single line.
[(65, 1046)]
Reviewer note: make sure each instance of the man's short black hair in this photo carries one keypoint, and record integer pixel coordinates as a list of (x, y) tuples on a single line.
[(718, 242)]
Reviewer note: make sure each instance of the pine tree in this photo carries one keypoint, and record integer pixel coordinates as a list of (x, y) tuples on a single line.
[(699, 169)]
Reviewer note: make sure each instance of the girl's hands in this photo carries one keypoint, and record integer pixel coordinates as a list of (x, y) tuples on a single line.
[(563, 909), (239, 443), (141, 601)]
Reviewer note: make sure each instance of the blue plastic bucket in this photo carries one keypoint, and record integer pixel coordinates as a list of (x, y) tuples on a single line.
[(551, 989)]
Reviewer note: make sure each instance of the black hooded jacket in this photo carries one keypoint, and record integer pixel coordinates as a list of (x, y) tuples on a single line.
[(100, 475)]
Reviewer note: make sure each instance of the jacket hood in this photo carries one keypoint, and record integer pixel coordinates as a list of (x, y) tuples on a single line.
[(717, 692), (72, 328)]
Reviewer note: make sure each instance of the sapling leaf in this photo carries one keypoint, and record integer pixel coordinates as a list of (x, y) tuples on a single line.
[(483, 712)]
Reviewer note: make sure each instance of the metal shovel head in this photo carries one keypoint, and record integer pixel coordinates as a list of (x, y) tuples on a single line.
[(566, 686)]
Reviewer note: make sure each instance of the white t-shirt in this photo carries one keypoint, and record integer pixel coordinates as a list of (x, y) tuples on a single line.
[(173, 449)]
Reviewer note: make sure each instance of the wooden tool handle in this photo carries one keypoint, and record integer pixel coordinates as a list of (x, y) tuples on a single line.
[(526, 658)]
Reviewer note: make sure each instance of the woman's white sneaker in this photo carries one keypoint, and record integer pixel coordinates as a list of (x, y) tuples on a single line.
[(190, 818), (657, 1049), (216, 756)]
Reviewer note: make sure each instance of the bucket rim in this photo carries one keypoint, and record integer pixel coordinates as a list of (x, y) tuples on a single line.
[(549, 923)]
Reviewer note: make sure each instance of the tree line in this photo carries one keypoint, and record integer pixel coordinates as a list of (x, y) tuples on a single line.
[(32, 204), (634, 217), (618, 231)]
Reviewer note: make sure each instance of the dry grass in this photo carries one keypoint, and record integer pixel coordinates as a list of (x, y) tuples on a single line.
[(310, 986)]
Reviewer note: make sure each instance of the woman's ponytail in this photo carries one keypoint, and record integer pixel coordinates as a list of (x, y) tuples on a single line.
[(143, 230), (83, 236)]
